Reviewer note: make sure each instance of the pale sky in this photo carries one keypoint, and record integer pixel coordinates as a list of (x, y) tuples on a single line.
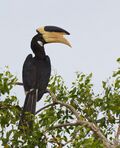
[(95, 35)]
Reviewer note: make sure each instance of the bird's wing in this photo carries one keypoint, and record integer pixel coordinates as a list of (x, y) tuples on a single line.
[(29, 73), (43, 75), (36, 74)]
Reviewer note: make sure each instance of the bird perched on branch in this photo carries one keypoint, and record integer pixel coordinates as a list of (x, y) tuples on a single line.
[(37, 69)]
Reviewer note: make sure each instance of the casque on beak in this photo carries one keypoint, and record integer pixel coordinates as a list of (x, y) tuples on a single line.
[(53, 34)]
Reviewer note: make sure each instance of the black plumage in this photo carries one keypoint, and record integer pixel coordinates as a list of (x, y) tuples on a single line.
[(36, 74)]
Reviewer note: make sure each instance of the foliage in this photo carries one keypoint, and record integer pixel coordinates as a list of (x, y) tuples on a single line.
[(100, 111)]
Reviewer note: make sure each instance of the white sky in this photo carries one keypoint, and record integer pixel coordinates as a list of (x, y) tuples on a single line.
[(95, 35)]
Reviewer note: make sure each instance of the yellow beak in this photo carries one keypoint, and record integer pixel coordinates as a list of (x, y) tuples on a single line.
[(53, 36)]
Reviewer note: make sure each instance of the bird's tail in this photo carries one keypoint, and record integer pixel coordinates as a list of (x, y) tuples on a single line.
[(29, 108)]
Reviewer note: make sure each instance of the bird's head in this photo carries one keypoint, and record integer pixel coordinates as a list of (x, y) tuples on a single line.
[(52, 34)]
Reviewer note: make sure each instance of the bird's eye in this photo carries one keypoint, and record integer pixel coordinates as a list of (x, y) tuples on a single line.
[(40, 43)]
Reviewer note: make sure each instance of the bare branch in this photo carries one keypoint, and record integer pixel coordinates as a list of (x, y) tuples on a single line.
[(116, 141), (52, 104), (70, 108), (64, 104), (65, 125), (19, 83), (90, 125)]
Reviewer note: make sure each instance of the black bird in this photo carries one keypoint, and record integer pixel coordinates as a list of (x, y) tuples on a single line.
[(37, 69)]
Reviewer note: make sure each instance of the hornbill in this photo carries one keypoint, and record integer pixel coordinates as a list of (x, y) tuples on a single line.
[(37, 69)]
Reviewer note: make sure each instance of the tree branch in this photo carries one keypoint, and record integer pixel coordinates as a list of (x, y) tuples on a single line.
[(88, 124), (54, 98), (71, 108), (19, 83), (116, 141), (52, 104), (71, 138), (65, 125), (95, 129)]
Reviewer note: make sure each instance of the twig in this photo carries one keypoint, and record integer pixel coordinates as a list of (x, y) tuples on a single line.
[(52, 96), (70, 108), (55, 140), (72, 138), (65, 125), (19, 83), (44, 108)]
